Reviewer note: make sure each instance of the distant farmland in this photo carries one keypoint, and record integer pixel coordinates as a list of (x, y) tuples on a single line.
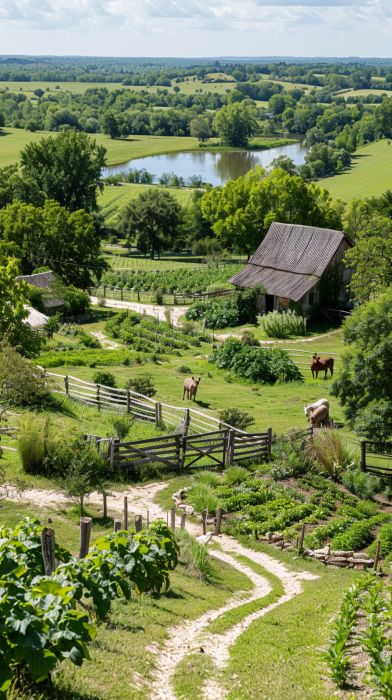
[(370, 173)]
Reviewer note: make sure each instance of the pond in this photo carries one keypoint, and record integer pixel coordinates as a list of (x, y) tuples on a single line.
[(213, 167)]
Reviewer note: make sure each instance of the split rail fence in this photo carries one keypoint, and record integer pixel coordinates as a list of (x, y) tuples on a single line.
[(183, 420), (109, 292), (376, 458)]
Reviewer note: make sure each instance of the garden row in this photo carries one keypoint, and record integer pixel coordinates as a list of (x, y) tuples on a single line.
[(169, 281)]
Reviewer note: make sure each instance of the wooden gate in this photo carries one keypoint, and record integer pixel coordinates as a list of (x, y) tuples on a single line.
[(205, 449), (165, 450), (376, 458), (255, 447)]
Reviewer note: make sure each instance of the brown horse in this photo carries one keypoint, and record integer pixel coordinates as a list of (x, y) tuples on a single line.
[(190, 388), (321, 365)]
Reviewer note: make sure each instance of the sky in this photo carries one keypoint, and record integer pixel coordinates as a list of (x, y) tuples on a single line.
[(196, 27)]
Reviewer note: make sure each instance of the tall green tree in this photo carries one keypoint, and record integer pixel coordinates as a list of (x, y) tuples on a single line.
[(371, 257), (13, 312), (200, 128), (66, 168), (242, 211), (51, 236), (152, 221), (236, 123), (364, 385)]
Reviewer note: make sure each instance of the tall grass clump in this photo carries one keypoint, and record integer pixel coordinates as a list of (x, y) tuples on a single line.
[(332, 456), (32, 443), (235, 475), (283, 324), (194, 557), (208, 478), (202, 497)]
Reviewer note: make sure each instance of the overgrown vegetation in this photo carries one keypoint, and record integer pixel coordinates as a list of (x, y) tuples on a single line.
[(256, 364), (283, 324)]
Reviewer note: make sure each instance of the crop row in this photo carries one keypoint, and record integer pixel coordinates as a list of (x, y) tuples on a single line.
[(181, 281)]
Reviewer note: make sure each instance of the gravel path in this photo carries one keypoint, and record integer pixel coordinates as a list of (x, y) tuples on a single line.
[(190, 636), (149, 309)]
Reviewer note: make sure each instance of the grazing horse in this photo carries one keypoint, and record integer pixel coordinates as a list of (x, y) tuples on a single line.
[(316, 404), (190, 388), (321, 365), (319, 418)]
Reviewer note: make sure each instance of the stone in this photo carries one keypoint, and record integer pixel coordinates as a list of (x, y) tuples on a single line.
[(337, 561), (341, 553), (189, 510), (324, 552), (361, 556), (365, 563)]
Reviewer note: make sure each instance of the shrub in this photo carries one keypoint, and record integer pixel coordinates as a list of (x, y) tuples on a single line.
[(235, 310), (184, 369), (88, 341), (375, 421), (283, 324), (361, 483), (236, 418), (142, 385), (249, 338), (31, 444), (208, 478), (122, 426), (105, 378), (385, 537), (356, 537), (266, 365), (22, 383), (332, 456), (86, 472), (157, 297), (235, 475)]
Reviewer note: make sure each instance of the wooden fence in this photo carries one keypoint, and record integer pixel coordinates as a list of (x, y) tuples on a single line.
[(182, 419), (217, 449), (376, 458), (149, 297), (303, 358)]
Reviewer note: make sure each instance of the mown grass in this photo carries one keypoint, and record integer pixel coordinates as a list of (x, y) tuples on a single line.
[(369, 175), (114, 198)]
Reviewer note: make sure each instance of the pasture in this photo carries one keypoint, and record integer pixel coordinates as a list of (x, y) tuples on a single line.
[(114, 198), (364, 92), (370, 173)]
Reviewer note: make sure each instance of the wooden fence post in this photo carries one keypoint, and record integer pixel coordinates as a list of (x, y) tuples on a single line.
[(139, 523), (105, 504), (48, 550), (125, 512), (269, 444), (363, 455), (301, 538), (117, 525), (148, 520), (187, 420), (66, 385), (85, 534), (230, 448), (183, 520), (158, 413), (128, 401), (218, 521), (173, 518), (377, 555), (98, 398), (204, 520)]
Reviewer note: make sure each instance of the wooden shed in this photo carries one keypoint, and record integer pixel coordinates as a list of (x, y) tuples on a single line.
[(46, 281), (300, 264)]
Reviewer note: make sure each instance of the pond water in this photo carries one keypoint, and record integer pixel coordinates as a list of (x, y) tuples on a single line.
[(213, 167)]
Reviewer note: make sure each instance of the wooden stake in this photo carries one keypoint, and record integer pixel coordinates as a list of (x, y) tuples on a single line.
[(117, 525), (218, 521), (105, 504), (85, 534), (173, 518), (204, 520), (301, 538), (377, 556), (183, 520), (148, 520), (125, 512), (138, 523), (48, 550)]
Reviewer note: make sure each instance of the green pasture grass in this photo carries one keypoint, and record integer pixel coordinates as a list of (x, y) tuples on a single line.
[(370, 173), (280, 655), (115, 197), (364, 92), (122, 656), (77, 87)]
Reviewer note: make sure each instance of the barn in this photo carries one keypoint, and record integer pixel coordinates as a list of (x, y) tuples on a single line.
[(46, 282), (300, 264)]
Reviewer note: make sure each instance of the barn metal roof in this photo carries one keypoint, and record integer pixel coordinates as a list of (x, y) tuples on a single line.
[(44, 280), (290, 260)]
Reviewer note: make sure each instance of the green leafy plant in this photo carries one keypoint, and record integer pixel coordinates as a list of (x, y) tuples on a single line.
[(105, 379), (236, 418), (332, 455), (263, 365), (283, 324), (361, 483), (142, 385)]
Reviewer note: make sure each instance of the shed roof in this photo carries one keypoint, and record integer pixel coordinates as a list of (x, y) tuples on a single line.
[(290, 260), (44, 280)]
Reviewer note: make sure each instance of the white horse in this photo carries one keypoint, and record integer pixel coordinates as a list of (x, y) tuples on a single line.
[(312, 406)]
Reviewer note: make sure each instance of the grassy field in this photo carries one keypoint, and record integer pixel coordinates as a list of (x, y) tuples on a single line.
[(114, 198), (364, 92), (369, 175)]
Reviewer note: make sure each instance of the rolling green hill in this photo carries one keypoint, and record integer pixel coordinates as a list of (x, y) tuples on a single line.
[(370, 173)]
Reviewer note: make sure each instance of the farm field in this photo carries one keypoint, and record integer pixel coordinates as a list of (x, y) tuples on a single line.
[(114, 198), (364, 92), (369, 175)]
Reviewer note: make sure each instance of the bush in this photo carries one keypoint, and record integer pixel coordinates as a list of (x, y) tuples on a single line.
[(283, 324), (208, 478), (142, 385), (375, 421), (22, 383), (332, 456), (356, 537), (235, 475), (249, 338), (257, 364), (184, 369), (236, 418), (105, 378), (122, 426), (385, 537), (361, 483), (235, 310)]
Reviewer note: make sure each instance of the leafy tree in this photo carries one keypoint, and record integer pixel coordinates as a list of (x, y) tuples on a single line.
[(110, 125), (364, 385), (242, 211), (235, 124), (21, 382), (200, 128), (66, 242), (66, 168), (13, 300), (86, 472), (371, 257), (151, 221)]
